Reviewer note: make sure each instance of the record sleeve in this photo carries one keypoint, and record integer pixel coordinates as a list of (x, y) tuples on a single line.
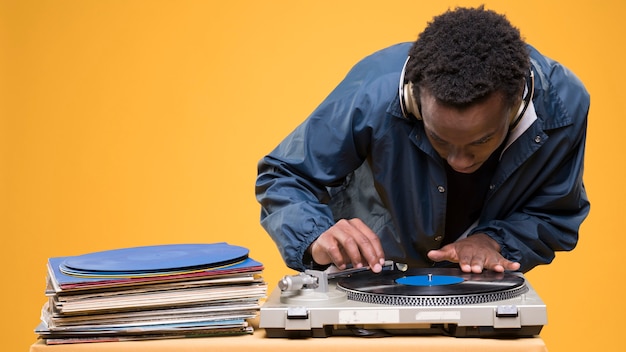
[(154, 259)]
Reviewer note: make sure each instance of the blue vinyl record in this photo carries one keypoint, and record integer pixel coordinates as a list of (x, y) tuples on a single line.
[(156, 259)]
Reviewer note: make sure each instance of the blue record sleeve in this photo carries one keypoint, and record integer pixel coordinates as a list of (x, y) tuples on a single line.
[(62, 281), (155, 259)]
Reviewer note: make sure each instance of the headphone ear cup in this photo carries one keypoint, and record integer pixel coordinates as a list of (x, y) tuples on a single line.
[(409, 101)]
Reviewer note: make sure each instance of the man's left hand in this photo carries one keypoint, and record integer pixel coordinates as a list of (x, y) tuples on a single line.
[(474, 253)]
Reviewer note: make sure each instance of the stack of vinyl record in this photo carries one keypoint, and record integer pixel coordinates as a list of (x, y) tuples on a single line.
[(153, 292)]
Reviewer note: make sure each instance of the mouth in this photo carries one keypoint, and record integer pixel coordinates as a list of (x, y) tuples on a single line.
[(467, 170)]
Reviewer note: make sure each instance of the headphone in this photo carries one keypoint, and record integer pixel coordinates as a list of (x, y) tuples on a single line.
[(411, 109)]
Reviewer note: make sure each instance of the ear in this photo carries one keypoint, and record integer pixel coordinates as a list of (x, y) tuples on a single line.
[(410, 102)]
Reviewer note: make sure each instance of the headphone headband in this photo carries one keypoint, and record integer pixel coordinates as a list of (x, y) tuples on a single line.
[(410, 107), (529, 91)]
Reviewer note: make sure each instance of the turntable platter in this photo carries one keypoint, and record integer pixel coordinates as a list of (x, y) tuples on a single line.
[(431, 287)]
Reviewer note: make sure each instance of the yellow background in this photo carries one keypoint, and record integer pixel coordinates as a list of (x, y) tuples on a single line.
[(128, 123)]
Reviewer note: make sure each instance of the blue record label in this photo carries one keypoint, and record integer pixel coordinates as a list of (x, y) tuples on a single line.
[(429, 280)]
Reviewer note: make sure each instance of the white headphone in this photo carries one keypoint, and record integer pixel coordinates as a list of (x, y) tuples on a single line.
[(410, 107)]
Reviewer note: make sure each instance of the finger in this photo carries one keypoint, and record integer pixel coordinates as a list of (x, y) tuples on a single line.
[(513, 266), (340, 245), (505, 265), (347, 251), (470, 259), (326, 249), (495, 265), (476, 261), (470, 264), (369, 244), (447, 252), (358, 242), (500, 264)]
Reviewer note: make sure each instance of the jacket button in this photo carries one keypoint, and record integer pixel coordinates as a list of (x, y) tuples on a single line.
[(438, 238), (492, 186), (537, 139), (441, 189)]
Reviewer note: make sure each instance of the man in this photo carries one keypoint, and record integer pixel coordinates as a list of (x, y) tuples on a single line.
[(464, 147)]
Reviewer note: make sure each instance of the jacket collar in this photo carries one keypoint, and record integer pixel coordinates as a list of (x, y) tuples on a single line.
[(529, 117)]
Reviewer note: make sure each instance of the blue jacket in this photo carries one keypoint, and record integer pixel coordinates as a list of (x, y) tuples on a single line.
[(357, 156)]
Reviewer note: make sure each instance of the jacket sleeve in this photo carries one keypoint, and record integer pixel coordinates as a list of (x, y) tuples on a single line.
[(548, 222), (293, 180), (548, 217)]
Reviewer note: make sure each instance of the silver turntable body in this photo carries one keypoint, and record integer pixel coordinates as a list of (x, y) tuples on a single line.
[(317, 304)]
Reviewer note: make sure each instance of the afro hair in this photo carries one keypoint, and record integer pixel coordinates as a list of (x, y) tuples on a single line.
[(465, 55)]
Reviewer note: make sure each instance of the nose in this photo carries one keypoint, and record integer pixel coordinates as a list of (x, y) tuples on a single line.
[(460, 160)]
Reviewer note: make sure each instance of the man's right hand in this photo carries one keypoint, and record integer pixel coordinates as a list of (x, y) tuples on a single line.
[(349, 242)]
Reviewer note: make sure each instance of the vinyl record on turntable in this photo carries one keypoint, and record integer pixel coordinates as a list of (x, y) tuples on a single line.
[(432, 287), (154, 259)]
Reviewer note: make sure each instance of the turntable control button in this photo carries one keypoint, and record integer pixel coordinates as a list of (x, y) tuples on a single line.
[(297, 313), (508, 311)]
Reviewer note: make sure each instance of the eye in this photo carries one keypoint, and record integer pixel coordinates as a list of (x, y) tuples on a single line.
[(483, 140), (436, 139)]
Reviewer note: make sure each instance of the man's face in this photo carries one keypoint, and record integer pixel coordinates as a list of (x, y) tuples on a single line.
[(466, 137)]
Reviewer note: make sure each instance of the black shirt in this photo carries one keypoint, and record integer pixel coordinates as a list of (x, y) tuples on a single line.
[(466, 196)]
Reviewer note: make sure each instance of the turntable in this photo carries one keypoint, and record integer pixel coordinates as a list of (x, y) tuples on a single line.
[(400, 301)]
